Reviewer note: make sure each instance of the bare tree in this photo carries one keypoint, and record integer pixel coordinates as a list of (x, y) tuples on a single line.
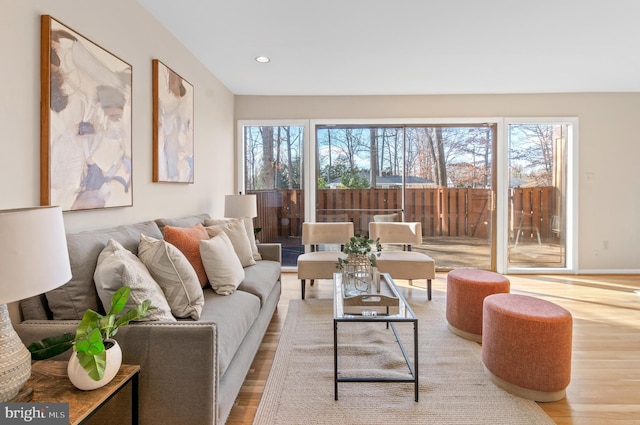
[(289, 164), (534, 147), (386, 151), (436, 148), (353, 146), (473, 155), (291, 144), (268, 171), (392, 142), (419, 159), (431, 152), (348, 146), (374, 168), (252, 148), (276, 161)]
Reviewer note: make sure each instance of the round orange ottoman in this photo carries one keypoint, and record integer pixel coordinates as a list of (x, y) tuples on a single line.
[(466, 290), (526, 346)]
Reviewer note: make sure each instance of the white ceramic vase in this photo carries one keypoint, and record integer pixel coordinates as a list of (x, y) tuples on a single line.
[(15, 359), (81, 379)]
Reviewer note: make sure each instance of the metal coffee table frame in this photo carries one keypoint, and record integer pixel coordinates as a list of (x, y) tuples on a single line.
[(405, 315)]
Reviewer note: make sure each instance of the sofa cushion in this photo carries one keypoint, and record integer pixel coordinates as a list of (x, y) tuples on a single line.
[(233, 315), (238, 236), (222, 264), (70, 301), (188, 221), (175, 275), (118, 267), (260, 279), (187, 240), (248, 226), (35, 308)]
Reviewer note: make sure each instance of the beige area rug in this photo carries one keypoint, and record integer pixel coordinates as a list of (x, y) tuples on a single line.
[(452, 386)]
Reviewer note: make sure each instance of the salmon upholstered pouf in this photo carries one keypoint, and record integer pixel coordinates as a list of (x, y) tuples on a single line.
[(526, 346), (466, 290)]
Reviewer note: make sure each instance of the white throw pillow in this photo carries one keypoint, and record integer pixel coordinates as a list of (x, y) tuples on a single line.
[(175, 275), (221, 263), (119, 267), (248, 226), (237, 234)]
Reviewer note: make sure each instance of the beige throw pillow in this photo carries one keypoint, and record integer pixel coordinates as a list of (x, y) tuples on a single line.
[(221, 263), (248, 226), (237, 234), (175, 275), (119, 267)]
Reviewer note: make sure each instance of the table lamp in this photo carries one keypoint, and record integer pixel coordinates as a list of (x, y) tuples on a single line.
[(33, 260), (242, 206)]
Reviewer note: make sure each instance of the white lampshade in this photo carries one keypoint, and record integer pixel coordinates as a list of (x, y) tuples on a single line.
[(33, 252), (240, 206), (33, 259)]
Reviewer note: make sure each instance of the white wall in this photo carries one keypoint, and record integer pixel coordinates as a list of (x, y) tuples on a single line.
[(609, 149), (128, 31)]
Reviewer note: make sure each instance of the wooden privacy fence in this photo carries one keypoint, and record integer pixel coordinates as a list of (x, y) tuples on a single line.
[(442, 211)]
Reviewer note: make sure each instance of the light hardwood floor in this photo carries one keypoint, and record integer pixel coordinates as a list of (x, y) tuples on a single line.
[(605, 379)]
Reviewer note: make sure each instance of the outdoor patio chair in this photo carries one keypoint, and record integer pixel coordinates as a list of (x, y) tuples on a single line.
[(527, 225), (403, 264), (317, 264)]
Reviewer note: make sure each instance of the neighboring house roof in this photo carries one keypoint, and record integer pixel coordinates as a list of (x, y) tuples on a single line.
[(398, 180), (518, 182), (389, 180)]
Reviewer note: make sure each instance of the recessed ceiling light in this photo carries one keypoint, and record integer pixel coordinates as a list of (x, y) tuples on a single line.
[(263, 59)]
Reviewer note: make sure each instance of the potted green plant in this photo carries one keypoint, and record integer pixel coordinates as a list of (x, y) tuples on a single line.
[(360, 246), (93, 340)]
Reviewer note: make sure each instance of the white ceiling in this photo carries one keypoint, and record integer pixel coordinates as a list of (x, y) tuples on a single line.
[(366, 47)]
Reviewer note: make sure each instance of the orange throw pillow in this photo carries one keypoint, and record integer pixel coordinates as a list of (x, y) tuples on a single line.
[(187, 240)]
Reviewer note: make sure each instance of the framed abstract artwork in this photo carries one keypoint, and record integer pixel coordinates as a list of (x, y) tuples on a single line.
[(85, 129), (173, 157)]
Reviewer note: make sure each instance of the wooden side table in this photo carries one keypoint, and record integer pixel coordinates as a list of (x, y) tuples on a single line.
[(50, 384)]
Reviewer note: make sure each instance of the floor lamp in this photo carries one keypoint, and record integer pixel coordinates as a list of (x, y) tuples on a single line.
[(33, 260)]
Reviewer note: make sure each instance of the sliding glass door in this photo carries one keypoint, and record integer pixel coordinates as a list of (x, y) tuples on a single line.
[(443, 175), (272, 164), (440, 176), (538, 187)]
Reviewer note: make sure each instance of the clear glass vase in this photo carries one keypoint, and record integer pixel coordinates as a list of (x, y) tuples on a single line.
[(356, 276)]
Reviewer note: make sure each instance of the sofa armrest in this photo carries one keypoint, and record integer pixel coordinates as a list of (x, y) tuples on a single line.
[(271, 251), (170, 393)]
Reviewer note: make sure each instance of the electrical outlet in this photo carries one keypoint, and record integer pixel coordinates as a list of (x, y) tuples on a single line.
[(605, 244)]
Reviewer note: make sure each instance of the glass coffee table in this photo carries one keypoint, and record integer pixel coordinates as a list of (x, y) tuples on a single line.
[(386, 305)]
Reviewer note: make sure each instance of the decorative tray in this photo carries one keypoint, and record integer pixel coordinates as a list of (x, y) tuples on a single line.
[(384, 295)]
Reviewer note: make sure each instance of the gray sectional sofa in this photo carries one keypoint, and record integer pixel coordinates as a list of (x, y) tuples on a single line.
[(191, 371)]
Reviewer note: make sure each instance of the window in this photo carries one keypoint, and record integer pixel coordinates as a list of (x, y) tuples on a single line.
[(513, 215), (537, 208), (438, 175), (273, 170)]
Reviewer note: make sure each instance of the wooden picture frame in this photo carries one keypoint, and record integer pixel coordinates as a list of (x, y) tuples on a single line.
[(173, 138), (85, 129)]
